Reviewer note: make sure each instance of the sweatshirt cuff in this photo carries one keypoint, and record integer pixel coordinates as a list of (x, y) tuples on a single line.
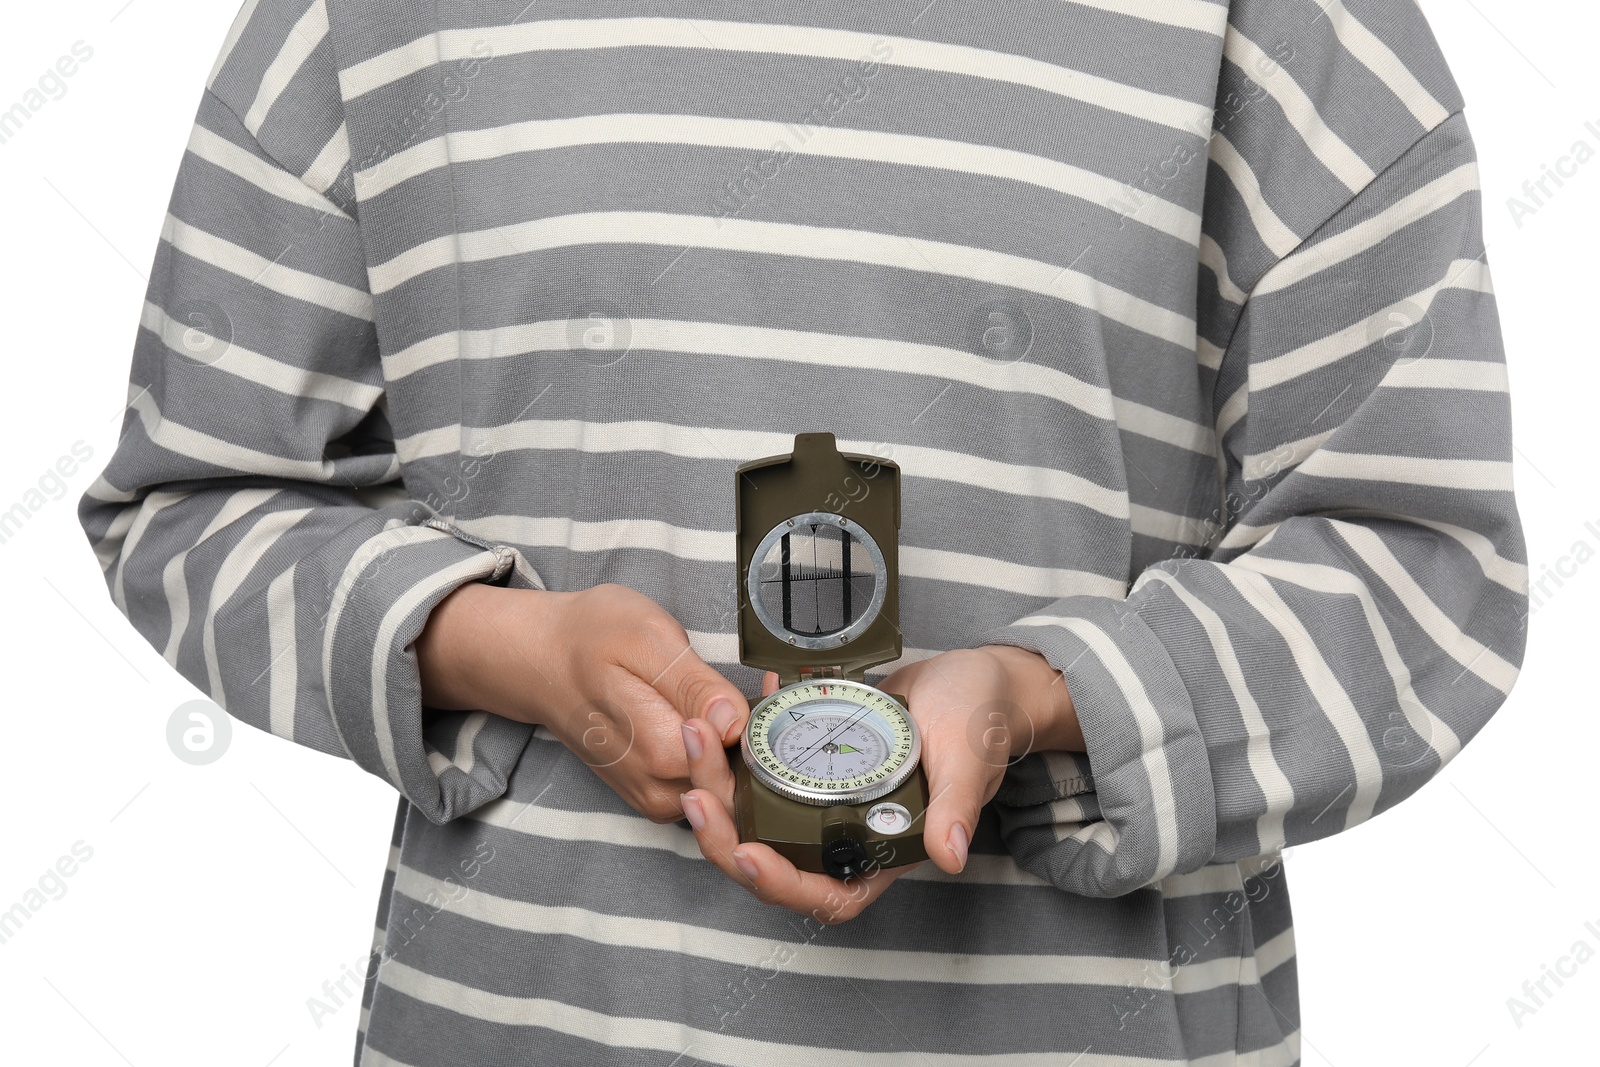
[(377, 610), (1139, 805)]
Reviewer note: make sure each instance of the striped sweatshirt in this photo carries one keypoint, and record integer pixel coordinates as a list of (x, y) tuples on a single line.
[(1173, 313)]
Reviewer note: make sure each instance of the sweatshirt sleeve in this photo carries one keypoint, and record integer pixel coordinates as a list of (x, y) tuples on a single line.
[(1360, 615), (251, 522)]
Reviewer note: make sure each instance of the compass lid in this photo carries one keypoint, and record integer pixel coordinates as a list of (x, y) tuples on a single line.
[(818, 549)]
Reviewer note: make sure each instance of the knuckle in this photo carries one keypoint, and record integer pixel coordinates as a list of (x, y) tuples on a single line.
[(661, 811)]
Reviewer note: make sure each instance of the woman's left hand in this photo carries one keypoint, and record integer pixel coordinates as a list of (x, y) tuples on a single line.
[(977, 710)]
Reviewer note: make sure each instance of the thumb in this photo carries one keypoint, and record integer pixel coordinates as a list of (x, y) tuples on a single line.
[(769, 684), (956, 785), (699, 691)]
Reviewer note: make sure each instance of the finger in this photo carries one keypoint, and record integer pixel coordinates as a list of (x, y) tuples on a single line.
[(958, 782), (709, 769), (714, 830), (699, 691), (774, 880), (769, 684), (768, 875)]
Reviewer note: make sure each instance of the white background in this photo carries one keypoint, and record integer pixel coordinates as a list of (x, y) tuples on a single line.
[(219, 898)]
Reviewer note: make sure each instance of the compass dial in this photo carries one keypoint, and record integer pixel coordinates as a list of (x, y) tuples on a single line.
[(831, 742)]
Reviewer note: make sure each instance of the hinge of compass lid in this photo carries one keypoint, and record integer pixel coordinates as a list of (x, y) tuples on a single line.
[(809, 673)]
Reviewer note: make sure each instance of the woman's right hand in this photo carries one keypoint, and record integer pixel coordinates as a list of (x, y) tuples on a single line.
[(607, 671)]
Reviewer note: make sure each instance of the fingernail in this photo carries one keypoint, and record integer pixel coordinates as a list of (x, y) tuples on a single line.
[(693, 811), (957, 842), (745, 865), (691, 742), (722, 715)]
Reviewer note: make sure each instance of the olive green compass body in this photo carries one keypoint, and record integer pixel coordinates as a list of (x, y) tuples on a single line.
[(829, 772)]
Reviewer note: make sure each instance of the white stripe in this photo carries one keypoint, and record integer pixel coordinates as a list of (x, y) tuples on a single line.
[(1421, 373), (139, 519), (236, 259), (221, 152), (194, 341), (900, 251), (1320, 578), (837, 142), (1299, 109), (809, 958), (1278, 238), (325, 169), (283, 663), (303, 39), (1158, 425), (1233, 409), (1485, 475), (109, 546), (235, 31), (192, 444), (466, 756), (1207, 354), (174, 581), (1324, 687), (1211, 255), (1467, 651), (1364, 236), (627, 831), (104, 491), (716, 546), (261, 537), (738, 341), (1504, 572), (1466, 274), (1381, 60), (1214, 880), (1260, 466), (469, 568), (1152, 731), (716, 1046), (715, 443), (1274, 953), (1185, 14), (561, 35), (1167, 526), (1434, 372), (1276, 789), (389, 626), (937, 564)]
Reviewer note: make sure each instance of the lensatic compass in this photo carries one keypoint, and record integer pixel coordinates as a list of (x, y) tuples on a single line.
[(829, 775)]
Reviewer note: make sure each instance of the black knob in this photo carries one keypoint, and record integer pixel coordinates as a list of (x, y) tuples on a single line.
[(843, 857)]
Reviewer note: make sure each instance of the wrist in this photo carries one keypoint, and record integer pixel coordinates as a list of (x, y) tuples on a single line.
[(1046, 720), (457, 646)]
